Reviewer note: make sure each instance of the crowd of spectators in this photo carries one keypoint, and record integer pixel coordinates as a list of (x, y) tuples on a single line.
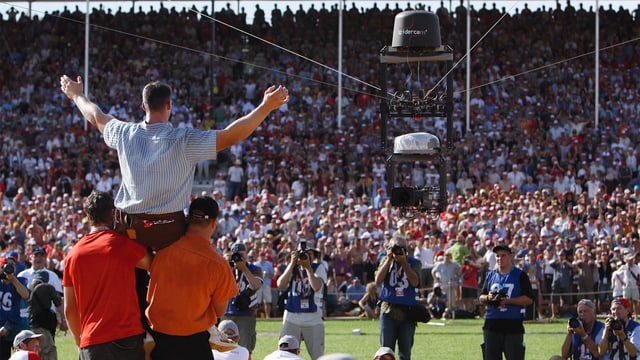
[(532, 171)]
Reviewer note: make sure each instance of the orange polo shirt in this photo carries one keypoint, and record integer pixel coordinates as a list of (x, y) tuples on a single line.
[(187, 278)]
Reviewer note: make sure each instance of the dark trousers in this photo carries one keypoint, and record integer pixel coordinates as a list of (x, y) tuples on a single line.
[(192, 347), (129, 348), (495, 344)]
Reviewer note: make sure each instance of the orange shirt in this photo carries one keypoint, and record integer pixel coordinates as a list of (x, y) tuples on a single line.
[(187, 278)]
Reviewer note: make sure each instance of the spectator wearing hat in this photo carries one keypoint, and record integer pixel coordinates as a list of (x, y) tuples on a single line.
[(15, 291), (384, 353), (239, 352), (506, 291), (202, 280), (621, 338), (104, 315), (447, 273), (38, 259), (288, 348), (437, 302), (303, 280), (242, 308), (41, 319), (27, 345), (630, 277)]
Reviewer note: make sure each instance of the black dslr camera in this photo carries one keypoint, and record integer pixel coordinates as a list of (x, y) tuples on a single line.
[(616, 324), (397, 250), (497, 294), (302, 251), (7, 269), (575, 322), (235, 257)]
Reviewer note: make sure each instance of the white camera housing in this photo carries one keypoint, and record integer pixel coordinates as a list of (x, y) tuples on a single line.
[(420, 143)]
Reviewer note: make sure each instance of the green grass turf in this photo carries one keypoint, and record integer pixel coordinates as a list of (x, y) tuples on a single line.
[(457, 340)]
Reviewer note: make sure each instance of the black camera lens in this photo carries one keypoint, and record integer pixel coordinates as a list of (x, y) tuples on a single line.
[(235, 257), (302, 255), (397, 250), (8, 268), (574, 323), (617, 324)]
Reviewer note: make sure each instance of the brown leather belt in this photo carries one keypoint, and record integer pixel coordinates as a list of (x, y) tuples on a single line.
[(154, 230)]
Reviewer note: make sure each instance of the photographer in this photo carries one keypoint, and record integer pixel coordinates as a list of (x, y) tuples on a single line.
[(621, 333), (583, 333), (10, 322), (506, 291), (398, 276), (303, 279), (242, 307), (42, 320)]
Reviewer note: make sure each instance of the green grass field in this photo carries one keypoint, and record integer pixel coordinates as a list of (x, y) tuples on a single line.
[(457, 340)]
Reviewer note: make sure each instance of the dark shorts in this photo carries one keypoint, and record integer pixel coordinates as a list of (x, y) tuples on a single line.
[(468, 292), (171, 347), (559, 293)]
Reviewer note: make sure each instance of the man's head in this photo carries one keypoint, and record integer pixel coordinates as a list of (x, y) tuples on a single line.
[(384, 353), (202, 211), (99, 207), (38, 258), (230, 328), (289, 343), (27, 340), (503, 256), (156, 96), (620, 308), (587, 311)]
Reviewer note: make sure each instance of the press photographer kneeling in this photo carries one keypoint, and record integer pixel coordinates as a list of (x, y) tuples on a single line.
[(621, 333), (583, 333)]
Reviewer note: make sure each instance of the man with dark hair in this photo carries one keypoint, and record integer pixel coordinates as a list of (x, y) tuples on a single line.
[(507, 290), (100, 300), (189, 272), (158, 161)]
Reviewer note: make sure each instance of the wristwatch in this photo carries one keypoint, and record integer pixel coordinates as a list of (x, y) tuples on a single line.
[(585, 337)]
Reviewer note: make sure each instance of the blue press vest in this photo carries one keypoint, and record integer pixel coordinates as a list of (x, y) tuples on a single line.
[(576, 343), (396, 288), (300, 297), (243, 283), (511, 282), (614, 350)]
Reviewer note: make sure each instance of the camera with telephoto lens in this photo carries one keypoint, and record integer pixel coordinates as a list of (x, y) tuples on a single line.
[(236, 257), (575, 322), (616, 324), (7, 269), (397, 250), (302, 251), (497, 294)]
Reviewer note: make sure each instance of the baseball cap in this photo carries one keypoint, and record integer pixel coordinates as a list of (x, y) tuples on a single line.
[(203, 208), (382, 352), (622, 301), (38, 250), (288, 342), (41, 275), (23, 336), (229, 327), (238, 246), (502, 247)]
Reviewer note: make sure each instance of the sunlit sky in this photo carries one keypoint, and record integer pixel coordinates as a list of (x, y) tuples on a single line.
[(40, 7)]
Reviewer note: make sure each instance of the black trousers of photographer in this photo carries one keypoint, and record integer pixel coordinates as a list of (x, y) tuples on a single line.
[(497, 343)]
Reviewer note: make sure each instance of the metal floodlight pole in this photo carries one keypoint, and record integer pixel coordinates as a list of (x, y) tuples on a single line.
[(86, 57)]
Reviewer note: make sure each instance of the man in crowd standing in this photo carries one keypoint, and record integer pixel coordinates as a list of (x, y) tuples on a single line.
[(242, 308), (302, 279), (398, 276), (202, 282), (584, 335), (506, 291), (41, 319), (104, 317)]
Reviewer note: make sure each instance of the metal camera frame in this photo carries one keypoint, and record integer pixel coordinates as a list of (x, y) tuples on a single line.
[(427, 200)]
